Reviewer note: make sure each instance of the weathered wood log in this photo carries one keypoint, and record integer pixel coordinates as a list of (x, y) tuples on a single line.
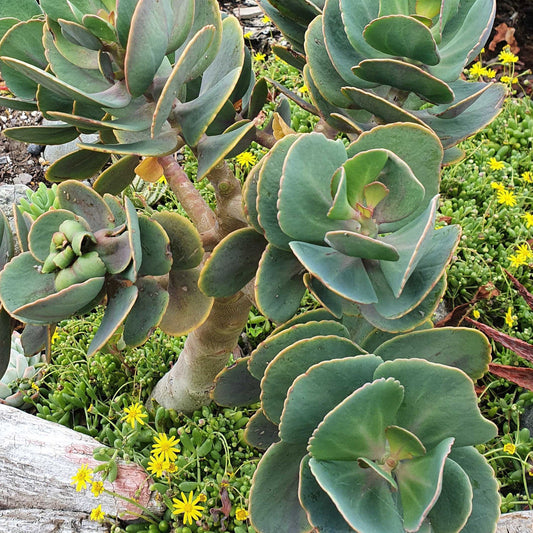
[(37, 462), (519, 522)]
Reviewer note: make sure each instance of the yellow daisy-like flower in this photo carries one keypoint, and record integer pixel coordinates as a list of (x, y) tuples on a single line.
[(510, 319), (494, 164), (526, 176), (241, 514), (529, 219), (476, 314), (477, 70), (162, 179), (524, 251), (134, 413), (35, 387), (157, 465), (498, 186), (506, 198), (97, 488), (509, 448), (265, 20), (303, 89), (507, 57), (188, 507), (97, 514), (165, 447), (517, 260), (509, 80), (259, 56), (490, 73), (83, 476), (246, 159), (247, 35)]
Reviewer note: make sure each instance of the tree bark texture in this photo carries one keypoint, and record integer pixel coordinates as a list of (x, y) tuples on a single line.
[(187, 386), (37, 462)]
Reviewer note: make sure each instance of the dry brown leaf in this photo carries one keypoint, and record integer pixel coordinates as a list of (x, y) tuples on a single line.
[(280, 127), (149, 169), (504, 33)]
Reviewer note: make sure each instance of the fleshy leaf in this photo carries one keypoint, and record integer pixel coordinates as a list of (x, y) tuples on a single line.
[(260, 431), (263, 355), (304, 409), (235, 386), (295, 360)]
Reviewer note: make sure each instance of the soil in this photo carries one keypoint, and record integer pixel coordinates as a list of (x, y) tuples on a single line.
[(516, 16)]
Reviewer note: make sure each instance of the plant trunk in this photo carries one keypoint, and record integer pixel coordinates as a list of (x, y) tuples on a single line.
[(187, 386)]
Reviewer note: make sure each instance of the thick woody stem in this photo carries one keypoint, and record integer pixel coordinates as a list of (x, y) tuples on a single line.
[(189, 197), (187, 385), (227, 187)]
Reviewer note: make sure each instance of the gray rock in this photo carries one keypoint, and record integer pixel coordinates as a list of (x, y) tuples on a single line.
[(23, 178), (35, 149), (244, 13), (53, 152)]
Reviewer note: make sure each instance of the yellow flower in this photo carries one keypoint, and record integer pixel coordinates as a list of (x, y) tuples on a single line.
[(497, 186), (510, 319), (97, 514), (171, 468), (157, 465), (509, 448), (529, 219), (507, 57), (494, 164), (97, 488), (134, 413), (55, 336), (35, 387), (490, 73), (508, 79), (247, 35), (303, 89), (202, 497), (165, 448), (162, 179), (526, 176), (477, 70), (188, 507), (476, 314), (517, 260), (246, 159), (241, 514), (524, 251), (259, 56), (265, 20), (506, 198), (82, 477)]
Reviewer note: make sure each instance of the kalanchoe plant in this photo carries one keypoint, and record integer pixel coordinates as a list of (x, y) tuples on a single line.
[(366, 442), (371, 62), (148, 75), (91, 247), (15, 383), (360, 220)]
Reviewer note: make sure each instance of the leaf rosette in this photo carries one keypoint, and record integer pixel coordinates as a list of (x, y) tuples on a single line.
[(366, 442), (355, 225), (92, 247), (370, 62), (147, 75)]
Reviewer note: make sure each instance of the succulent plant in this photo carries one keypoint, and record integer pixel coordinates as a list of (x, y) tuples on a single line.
[(148, 75), (359, 219), (370, 62), (39, 201), (15, 383), (91, 247), (366, 442)]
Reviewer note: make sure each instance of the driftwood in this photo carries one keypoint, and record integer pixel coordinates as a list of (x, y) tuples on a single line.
[(37, 462), (520, 522)]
